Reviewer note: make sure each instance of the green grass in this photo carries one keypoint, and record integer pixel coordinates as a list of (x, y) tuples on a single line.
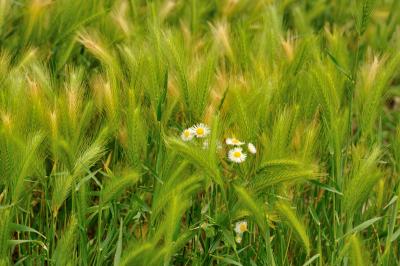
[(95, 95)]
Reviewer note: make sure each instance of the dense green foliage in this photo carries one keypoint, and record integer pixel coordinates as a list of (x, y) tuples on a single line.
[(94, 97)]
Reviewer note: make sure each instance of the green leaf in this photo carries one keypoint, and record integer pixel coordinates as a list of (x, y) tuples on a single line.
[(362, 226), (227, 260), (24, 228), (118, 251), (395, 235), (326, 187), (15, 242), (312, 259)]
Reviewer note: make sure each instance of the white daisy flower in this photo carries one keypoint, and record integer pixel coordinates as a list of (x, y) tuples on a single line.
[(252, 149), (238, 239), (187, 135), (236, 155), (200, 130), (234, 141), (241, 227)]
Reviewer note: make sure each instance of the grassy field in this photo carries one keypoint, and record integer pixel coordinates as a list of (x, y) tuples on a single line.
[(199, 132)]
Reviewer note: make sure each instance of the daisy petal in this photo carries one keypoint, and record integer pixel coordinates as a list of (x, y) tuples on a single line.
[(252, 149)]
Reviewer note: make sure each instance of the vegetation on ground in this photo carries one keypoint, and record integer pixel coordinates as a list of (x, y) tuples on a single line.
[(199, 132)]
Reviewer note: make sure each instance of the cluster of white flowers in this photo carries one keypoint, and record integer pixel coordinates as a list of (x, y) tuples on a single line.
[(198, 131), (235, 154), (240, 228)]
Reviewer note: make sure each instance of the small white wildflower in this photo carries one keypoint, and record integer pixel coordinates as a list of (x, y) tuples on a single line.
[(236, 155), (238, 239), (187, 135), (200, 130), (252, 149), (234, 142), (241, 227)]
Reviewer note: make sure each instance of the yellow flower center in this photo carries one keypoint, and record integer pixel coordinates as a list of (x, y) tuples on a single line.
[(235, 141), (243, 227), (200, 131), (186, 133), (237, 154)]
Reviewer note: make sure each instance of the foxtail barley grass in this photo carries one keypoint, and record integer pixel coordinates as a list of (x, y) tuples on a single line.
[(172, 132)]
